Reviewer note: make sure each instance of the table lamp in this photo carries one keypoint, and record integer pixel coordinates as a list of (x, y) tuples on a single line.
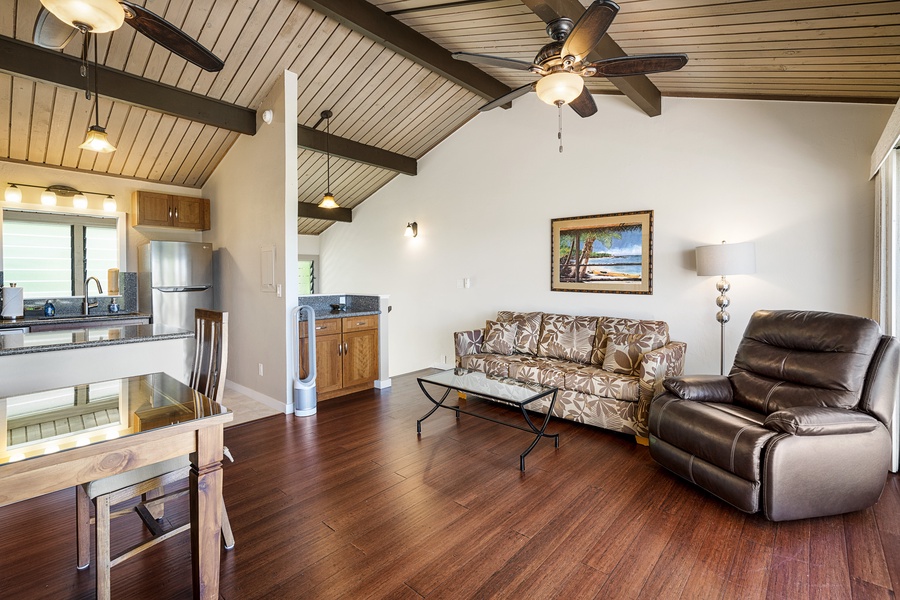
[(725, 259)]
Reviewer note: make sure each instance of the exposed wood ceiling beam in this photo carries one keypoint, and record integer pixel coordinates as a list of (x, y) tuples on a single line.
[(33, 62), (638, 88), (313, 139), (305, 210), (370, 21)]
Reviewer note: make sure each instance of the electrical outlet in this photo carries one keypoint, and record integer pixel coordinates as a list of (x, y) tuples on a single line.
[(343, 300), (260, 369)]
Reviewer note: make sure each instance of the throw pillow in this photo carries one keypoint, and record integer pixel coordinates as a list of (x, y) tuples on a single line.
[(567, 338), (624, 351), (499, 338), (529, 329)]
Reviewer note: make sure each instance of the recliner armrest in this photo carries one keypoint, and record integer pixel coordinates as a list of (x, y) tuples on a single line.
[(701, 388), (817, 420)]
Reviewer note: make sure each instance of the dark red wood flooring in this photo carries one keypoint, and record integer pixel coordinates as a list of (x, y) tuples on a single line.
[(352, 504)]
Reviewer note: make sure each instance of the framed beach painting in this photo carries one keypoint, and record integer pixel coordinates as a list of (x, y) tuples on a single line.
[(603, 253)]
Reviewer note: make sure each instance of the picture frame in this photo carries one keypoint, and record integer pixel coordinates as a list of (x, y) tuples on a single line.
[(611, 253)]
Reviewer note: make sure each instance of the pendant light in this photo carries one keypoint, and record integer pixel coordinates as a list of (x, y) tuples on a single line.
[(328, 198), (97, 140)]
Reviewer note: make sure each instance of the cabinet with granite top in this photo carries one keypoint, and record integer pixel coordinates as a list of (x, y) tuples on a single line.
[(346, 355)]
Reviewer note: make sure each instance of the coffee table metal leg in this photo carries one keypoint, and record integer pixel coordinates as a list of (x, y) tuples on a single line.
[(437, 405), (540, 432)]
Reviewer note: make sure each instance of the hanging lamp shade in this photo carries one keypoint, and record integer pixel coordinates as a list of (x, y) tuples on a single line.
[(98, 16), (13, 194), (328, 201), (97, 140)]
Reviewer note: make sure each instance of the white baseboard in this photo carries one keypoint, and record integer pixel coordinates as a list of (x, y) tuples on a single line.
[(382, 383), (261, 398), (443, 366)]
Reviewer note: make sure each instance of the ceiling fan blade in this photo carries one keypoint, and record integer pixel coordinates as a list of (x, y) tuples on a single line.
[(167, 35), (494, 61), (584, 104), (50, 32), (589, 29), (637, 65), (505, 98)]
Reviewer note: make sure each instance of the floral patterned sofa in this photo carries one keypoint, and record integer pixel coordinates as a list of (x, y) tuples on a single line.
[(607, 369)]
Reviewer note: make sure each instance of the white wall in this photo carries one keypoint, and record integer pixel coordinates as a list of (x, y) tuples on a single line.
[(255, 187), (790, 176), (121, 188)]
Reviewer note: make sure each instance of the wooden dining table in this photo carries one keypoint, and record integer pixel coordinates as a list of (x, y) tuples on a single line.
[(60, 438)]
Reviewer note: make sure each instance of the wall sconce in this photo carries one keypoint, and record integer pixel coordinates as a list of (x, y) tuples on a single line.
[(267, 116), (412, 229), (50, 194)]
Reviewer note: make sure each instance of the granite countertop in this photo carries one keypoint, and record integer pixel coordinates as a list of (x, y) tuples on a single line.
[(87, 337), (337, 314), (68, 319)]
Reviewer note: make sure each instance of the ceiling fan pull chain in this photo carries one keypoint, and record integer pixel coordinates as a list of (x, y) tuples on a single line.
[(559, 106)]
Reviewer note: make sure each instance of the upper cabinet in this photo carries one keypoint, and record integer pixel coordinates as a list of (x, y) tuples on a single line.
[(166, 210)]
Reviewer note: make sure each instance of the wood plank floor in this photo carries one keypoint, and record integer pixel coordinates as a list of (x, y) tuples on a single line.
[(351, 504)]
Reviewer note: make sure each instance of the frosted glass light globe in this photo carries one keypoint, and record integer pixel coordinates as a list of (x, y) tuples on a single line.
[(559, 87), (99, 16)]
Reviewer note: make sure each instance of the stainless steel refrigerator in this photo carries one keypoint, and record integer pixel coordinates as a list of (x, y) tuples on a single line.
[(174, 278)]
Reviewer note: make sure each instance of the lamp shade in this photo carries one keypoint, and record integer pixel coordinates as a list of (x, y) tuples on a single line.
[(48, 198), (559, 87), (99, 16), (80, 201), (97, 141), (328, 201), (726, 259), (13, 194)]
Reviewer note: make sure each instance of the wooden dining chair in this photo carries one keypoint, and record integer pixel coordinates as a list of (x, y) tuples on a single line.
[(208, 378)]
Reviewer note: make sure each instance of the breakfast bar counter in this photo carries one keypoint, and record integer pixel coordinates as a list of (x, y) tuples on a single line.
[(86, 337)]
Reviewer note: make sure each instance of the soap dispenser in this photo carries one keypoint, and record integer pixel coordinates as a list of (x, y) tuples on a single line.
[(49, 309), (113, 307)]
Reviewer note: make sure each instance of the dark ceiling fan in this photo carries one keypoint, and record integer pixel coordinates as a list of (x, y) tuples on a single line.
[(59, 20), (561, 63)]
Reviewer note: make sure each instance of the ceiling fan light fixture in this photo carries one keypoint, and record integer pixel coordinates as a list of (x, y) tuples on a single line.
[(560, 87), (98, 16), (97, 141), (328, 201)]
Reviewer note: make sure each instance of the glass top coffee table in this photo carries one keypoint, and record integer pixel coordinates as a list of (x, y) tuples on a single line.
[(499, 389)]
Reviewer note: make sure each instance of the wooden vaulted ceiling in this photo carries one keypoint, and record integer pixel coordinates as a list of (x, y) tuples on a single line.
[(770, 49)]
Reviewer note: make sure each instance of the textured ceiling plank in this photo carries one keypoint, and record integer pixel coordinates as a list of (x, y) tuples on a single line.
[(313, 139), (37, 63), (369, 20)]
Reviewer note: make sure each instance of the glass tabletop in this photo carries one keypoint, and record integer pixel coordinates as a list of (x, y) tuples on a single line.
[(490, 386), (56, 420)]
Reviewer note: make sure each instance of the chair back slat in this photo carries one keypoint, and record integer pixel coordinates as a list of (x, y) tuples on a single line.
[(211, 353)]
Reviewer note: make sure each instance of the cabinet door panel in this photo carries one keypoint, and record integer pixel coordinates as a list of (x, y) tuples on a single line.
[(188, 212), (360, 357), (328, 363), (152, 209)]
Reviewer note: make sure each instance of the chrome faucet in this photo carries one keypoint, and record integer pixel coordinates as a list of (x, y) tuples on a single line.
[(88, 305)]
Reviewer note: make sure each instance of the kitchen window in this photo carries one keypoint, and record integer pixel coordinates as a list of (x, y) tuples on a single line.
[(50, 255)]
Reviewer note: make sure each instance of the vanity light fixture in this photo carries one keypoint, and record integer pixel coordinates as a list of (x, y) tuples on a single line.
[(412, 229), (328, 199), (13, 194), (50, 194)]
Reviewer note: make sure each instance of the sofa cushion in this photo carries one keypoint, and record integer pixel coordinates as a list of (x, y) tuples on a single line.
[(550, 372), (597, 382), (499, 338), (567, 337), (528, 332), (624, 351), (609, 325), (492, 364)]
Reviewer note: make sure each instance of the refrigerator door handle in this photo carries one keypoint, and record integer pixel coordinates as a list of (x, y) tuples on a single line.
[(186, 288)]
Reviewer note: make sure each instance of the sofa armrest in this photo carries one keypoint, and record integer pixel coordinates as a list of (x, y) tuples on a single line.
[(655, 366), (817, 420), (467, 342), (701, 388)]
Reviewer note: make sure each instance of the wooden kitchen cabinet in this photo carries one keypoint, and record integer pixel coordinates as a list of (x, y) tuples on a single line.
[(166, 210), (346, 355)]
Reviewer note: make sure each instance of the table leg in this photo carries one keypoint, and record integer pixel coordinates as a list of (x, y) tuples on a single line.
[(206, 512), (540, 432), (437, 405)]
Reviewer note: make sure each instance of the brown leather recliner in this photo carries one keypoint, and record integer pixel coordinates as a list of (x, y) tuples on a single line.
[(798, 429)]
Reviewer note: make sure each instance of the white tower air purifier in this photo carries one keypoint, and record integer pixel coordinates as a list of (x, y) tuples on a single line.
[(304, 389)]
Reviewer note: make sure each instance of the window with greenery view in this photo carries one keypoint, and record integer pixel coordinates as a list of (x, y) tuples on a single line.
[(50, 255), (307, 274)]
